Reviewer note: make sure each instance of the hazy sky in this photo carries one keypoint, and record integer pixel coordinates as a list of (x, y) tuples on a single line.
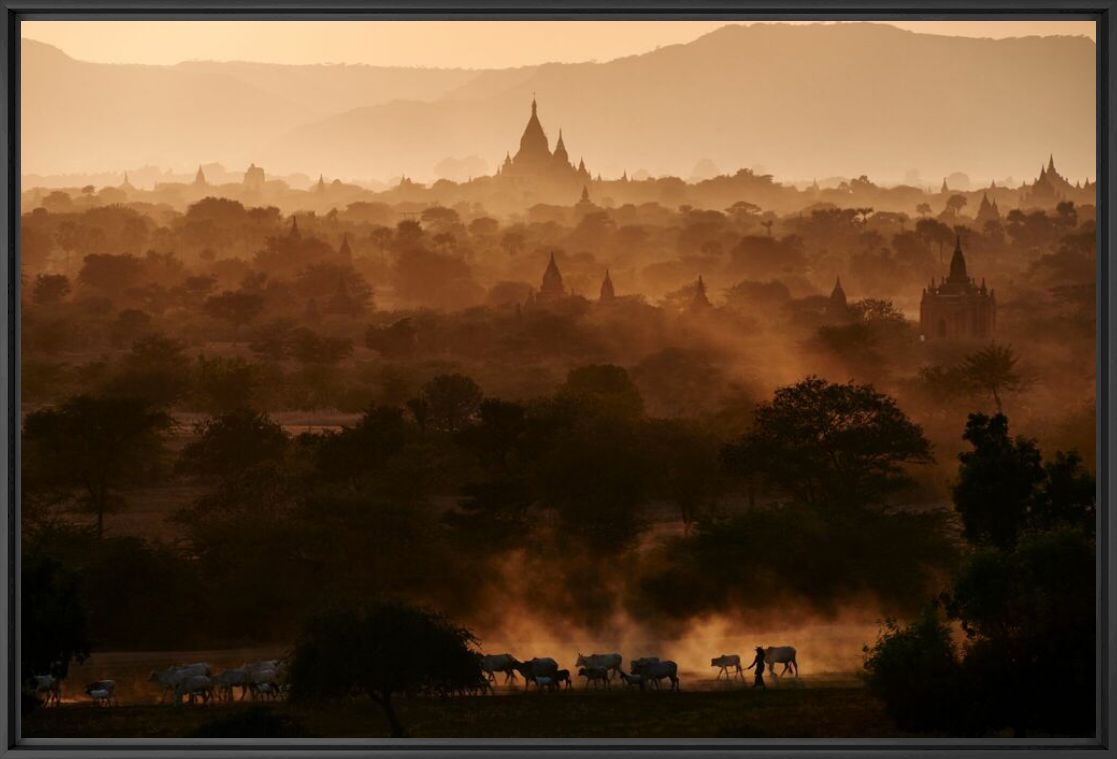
[(423, 43)]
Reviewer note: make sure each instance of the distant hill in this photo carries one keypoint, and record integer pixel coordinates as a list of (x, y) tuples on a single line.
[(800, 101)]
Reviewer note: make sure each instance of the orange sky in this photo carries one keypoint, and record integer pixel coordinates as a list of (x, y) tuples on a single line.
[(470, 44)]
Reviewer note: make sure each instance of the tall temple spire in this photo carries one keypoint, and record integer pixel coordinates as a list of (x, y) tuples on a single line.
[(607, 291), (958, 274), (533, 144), (838, 294), (700, 301), (560, 151), (552, 287), (200, 177)]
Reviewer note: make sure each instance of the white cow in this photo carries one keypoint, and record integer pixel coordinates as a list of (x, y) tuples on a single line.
[(194, 686), (609, 662), (725, 661), (170, 678), (101, 692), (229, 679), (493, 663), (48, 686), (653, 672), (540, 666), (263, 683), (784, 655)]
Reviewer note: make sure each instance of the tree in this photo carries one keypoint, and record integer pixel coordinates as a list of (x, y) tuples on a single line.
[(934, 232), (997, 482), (923, 209), (311, 348), (830, 443), (993, 370), (955, 203), (1023, 610), (1068, 494), (54, 630), (226, 384), (155, 370), (604, 389), (228, 445), (452, 400), (238, 308), (354, 452), (50, 289), (381, 651), (1004, 489), (93, 445), (109, 273), (916, 671)]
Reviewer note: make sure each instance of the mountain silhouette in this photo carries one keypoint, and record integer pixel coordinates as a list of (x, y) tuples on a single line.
[(798, 100)]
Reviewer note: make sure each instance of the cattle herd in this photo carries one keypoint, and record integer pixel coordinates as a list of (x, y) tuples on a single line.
[(186, 683), (267, 680), (600, 670)]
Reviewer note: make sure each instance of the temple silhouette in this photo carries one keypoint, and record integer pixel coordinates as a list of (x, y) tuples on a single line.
[(957, 308), (536, 168)]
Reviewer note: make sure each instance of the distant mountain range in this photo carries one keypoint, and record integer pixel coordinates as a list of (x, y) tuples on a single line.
[(799, 101)]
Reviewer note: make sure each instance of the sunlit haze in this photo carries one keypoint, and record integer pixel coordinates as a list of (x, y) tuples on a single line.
[(449, 44)]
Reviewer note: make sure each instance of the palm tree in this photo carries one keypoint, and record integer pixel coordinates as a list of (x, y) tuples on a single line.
[(993, 370)]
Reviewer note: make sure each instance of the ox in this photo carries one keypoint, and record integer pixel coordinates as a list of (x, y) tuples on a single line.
[(101, 692), (609, 662), (493, 663), (595, 675), (229, 679), (537, 667), (784, 655), (263, 682), (194, 686), (170, 678), (48, 686), (725, 661), (653, 672), (633, 681), (562, 677)]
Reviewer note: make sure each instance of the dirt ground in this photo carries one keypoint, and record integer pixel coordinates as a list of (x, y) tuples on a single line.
[(810, 709)]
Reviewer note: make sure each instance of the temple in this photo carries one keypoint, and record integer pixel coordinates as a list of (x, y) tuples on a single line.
[(608, 294), (552, 288), (957, 308), (987, 211), (1051, 188), (535, 167)]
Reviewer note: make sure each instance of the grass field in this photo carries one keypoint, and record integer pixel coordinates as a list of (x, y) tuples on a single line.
[(803, 712)]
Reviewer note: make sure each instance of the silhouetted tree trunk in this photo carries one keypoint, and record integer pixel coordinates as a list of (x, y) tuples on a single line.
[(385, 702)]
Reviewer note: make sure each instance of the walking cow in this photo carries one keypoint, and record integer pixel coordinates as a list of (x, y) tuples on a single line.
[(725, 661), (784, 655)]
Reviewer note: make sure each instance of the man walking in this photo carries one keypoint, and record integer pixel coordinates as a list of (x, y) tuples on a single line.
[(758, 662)]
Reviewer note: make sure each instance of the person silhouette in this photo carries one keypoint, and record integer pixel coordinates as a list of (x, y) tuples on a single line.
[(758, 662)]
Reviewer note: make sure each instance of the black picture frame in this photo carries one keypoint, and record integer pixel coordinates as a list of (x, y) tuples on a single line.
[(14, 11)]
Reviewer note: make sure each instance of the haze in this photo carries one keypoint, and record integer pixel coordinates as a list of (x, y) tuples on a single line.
[(1010, 98)]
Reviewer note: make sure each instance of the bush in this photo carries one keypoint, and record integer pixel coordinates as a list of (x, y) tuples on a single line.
[(915, 670)]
